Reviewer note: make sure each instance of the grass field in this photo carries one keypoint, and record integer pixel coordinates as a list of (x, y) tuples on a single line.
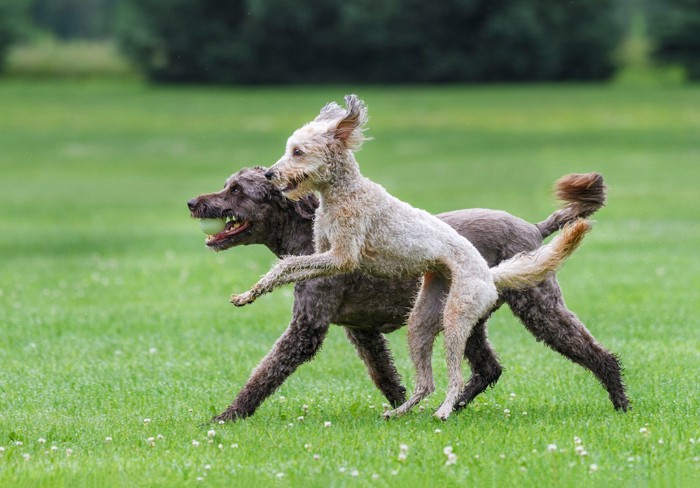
[(115, 325)]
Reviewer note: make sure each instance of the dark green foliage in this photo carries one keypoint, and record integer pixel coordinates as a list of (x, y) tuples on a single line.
[(407, 41), (675, 27), (11, 19), (71, 19)]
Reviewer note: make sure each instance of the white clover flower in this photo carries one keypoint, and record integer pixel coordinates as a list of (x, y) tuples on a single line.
[(108, 439), (152, 350), (644, 431), (220, 446), (451, 459), (438, 431), (26, 457), (661, 441), (375, 476), (593, 467), (160, 437), (211, 433), (2, 450), (354, 473), (317, 457), (326, 424), (195, 443), (305, 408), (300, 418), (280, 475), (577, 440), (41, 440), (146, 421), (69, 451), (207, 466), (19, 443), (524, 413), (54, 448), (551, 447), (221, 422), (234, 446)]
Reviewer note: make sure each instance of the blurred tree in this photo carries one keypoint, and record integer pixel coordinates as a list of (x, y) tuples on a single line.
[(675, 27), (278, 41), (71, 19), (12, 21)]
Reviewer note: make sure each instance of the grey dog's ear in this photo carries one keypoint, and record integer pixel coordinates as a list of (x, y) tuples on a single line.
[(350, 127)]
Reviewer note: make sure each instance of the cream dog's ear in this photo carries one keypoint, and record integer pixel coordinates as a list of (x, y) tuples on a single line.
[(349, 129)]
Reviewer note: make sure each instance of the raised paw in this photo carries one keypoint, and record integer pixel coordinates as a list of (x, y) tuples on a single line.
[(244, 298)]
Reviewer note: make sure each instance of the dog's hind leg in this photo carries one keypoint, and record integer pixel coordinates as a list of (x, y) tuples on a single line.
[(423, 327), (486, 370), (372, 349), (468, 300), (543, 312)]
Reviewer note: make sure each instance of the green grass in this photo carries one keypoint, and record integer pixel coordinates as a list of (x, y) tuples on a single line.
[(112, 311)]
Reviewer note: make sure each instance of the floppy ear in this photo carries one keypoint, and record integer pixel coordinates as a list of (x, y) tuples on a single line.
[(349, 128)]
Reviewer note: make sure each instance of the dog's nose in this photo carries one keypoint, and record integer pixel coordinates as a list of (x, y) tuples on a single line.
[(192, 204), (269, 174)]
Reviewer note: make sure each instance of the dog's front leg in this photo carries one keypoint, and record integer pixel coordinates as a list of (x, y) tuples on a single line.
[(298, 344), (295, 268)]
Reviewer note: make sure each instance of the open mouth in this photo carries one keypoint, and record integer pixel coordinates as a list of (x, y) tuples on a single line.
[(219, 230)]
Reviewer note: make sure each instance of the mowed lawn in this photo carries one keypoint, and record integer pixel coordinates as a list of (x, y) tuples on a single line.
[(118, 343)]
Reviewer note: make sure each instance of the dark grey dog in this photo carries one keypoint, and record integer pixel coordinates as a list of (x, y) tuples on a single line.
[(254, 212)]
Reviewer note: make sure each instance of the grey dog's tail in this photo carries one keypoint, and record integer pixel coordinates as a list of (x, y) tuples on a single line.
[(581, 195), (525, 270)]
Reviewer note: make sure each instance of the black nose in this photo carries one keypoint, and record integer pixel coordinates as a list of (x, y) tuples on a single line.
[(192, 204), (269, 174)]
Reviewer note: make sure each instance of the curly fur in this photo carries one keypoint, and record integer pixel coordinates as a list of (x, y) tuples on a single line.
[(360, 226), (368, 307)]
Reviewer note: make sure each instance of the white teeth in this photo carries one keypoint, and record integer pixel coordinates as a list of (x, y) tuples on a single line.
[(230, 219)]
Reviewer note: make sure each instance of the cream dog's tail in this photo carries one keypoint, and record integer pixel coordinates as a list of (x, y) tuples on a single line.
[(526, 270)]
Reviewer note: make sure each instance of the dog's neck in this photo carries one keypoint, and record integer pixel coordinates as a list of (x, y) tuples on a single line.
[(292, 236), (346, 180)]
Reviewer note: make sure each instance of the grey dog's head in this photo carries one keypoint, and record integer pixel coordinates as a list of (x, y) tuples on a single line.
[(249, 210), (317, 151)]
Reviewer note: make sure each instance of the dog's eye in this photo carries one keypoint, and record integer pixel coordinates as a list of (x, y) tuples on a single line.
[(297, 152), (235, 189)]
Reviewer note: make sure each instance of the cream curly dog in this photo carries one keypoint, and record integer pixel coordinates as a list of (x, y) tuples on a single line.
[(358, 225)]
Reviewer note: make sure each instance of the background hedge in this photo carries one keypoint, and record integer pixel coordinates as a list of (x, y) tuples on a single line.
[(408, 41)]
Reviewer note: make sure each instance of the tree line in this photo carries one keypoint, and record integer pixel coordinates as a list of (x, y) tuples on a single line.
[(388, 41)]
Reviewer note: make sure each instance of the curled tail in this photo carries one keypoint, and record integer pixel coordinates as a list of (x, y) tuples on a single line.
[(581, 194), (526, 270)]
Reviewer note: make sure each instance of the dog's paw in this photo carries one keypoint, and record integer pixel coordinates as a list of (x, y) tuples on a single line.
[(243, 298), (443, 412)]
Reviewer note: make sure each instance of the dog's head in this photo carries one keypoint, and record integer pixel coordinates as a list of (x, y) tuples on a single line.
[(249, 210), (317, 151)]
